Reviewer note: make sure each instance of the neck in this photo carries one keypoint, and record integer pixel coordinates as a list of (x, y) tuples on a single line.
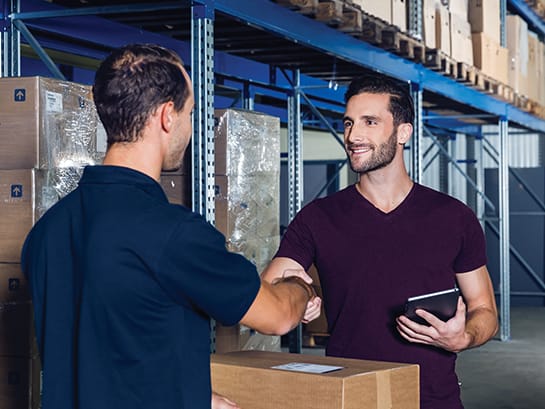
[(385, 188), (138, 155)]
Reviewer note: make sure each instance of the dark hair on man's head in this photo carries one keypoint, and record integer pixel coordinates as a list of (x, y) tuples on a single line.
[(131, 83), (401, 103)]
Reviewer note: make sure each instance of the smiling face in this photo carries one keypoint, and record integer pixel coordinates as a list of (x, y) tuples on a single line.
[(370, 137)]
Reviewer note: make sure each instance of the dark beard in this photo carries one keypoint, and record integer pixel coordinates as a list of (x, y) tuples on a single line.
[(381, 156)]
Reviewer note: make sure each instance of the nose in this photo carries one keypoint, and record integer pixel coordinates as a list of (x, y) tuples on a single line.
[(354, 134)]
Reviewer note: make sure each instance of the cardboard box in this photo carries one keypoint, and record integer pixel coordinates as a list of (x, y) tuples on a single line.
[(231, 339), (399, 14), (428, 23), (16, 212), (459, 7), (17, 335), (177, 187), (380, 9), (246, 142), (490, 57), (248, 377), (13, 284), (442, 29), (461, 49), (484, 17), (47, 123), (517, 45), (25, 195), (533, 66), (20, 383)]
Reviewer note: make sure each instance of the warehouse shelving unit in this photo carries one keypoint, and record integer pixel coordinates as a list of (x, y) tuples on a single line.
[(268, 54)]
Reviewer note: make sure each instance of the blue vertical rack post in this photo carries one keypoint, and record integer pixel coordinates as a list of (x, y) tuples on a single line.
[(202, 145)]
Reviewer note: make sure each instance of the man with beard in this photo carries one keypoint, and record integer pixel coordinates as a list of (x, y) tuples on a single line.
[(385, 239), (124, 283)]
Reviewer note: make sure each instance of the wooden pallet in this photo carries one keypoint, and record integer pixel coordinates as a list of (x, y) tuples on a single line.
[(437, 60), (306, 7), (538, 6), (339, 14), (315, 340)]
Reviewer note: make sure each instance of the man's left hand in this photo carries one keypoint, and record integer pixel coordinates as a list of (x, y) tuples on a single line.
[(449, 335)]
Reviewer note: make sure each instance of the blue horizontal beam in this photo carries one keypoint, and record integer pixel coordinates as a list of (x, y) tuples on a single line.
[(109, 34), (315, 34), (280, 21), (87, 11), (523, 9)]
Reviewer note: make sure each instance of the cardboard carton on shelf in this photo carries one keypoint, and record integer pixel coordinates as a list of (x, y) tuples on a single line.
[(442, 29), (253, 380), (428, 23), (48, 123), (460, 39), (20, 382), (484, 17), (517, 45), (490, 57)]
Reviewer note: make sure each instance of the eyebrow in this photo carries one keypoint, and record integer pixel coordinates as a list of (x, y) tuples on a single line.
[(366, 117)]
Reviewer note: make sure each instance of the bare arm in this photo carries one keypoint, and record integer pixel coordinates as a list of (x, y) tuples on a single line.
[(280, 266), (280, 306), (482, 313), (475, 322), (277, 266)]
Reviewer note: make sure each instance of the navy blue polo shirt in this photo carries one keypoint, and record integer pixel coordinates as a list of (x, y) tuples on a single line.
[(123, 286)]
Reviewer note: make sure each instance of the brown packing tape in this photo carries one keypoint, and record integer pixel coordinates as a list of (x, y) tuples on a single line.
[(384, 390)]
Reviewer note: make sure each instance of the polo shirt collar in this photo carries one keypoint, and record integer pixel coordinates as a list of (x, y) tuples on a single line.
[(109, 175)]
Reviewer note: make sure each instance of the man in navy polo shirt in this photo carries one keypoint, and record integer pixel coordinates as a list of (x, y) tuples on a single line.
[(124, 283), (385, 239)]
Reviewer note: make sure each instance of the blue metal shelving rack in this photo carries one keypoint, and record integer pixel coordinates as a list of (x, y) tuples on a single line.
[(74, 30)]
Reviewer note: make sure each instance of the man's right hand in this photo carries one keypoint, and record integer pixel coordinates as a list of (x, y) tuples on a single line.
[(221, 402)]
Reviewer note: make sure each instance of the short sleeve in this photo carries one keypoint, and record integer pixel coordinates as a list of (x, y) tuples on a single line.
[(197, 267), (297, 242), (472, 253)]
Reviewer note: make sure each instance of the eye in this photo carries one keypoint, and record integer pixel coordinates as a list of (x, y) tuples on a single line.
[(347, 124), (371, 122)]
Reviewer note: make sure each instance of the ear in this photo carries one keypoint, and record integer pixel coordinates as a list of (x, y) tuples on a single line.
[(166, 111), (404, 132)]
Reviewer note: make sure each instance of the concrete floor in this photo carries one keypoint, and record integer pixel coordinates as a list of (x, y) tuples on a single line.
[(510, 374)]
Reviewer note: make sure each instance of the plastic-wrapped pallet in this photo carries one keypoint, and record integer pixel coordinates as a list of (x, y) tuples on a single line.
[(47, 123), (247, 157), (247, 164)]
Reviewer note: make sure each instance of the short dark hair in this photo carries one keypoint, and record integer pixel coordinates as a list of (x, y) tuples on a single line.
[(131, 83), (401, 103)]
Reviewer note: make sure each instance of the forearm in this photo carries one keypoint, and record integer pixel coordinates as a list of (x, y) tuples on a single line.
[(481, 325), (278, 307)]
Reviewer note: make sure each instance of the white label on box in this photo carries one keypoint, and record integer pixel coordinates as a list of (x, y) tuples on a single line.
[(311, 368), (102, 138), (53, 101)]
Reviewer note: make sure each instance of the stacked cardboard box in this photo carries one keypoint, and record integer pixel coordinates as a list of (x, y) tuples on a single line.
[(460, 32), (391, 11), (177, 183), (517, 45), (489, 56), (309, 381), (49, 132), (247, 167)]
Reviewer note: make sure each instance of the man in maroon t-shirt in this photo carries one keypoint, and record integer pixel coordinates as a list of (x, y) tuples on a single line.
[(385, 239)]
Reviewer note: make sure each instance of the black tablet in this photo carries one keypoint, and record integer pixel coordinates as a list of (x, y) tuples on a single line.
[(442, 304)]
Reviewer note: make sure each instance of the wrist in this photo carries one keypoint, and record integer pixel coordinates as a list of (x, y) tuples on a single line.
[(298, 281)]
